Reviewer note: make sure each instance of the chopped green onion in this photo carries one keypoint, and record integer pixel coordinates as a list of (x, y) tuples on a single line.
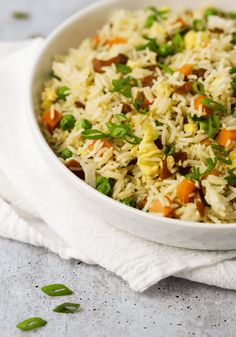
[(195, 173), (83, 124), (132, 139), (210, 125), (121, 117), (150, 21), (31, 323), (62, 92), (232, 70), (231, 177), (233, 38), (165, 68), (165, 50), (198, 88), (159, 12), (231, 15), (94, 134), (151, 45), (221, 154), (213, 125), (66, 153), (56, 290), (123, 68), (169, 149), (215, 106), (103, 185), (211, 11), (118, 130), (21, 15), (124, 85), (178, 43), (129, 202), (198, 25), (67, 308), (67, 122)]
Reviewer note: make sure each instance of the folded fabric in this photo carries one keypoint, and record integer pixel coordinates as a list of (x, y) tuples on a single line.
[(36, 208)]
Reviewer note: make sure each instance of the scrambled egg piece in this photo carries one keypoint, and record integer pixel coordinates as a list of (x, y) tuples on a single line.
[(148, 151), (159, 32), (191, 128), (162, 88), (214, 197), (194, 40), (232, 157), (49, 96)]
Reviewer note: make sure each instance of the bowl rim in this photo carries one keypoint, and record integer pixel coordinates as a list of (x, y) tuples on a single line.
[(39, 138)]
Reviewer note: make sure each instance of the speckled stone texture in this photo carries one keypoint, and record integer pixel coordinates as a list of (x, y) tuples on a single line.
[(173, 308)]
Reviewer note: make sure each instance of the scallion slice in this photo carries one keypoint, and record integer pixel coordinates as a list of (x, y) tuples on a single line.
[(56, 290)]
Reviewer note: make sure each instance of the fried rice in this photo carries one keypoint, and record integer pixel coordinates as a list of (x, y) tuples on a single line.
[(145, 112)]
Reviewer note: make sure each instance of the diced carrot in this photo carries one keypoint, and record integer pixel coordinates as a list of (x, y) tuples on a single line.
[(184, 190), (52, 122), (225, 135), (158, 207), (181, 22), (198, 103), (143, 101), (213, 172), (97, 39), (186, 69), (116, 40), (105, 143)]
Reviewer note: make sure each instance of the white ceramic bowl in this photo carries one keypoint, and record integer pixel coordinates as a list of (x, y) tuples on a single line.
[(147, 225)]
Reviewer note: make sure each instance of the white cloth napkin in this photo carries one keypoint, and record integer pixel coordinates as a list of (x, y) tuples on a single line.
[(36, 208)]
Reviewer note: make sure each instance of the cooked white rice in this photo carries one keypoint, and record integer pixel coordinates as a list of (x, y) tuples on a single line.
[(162, 171)]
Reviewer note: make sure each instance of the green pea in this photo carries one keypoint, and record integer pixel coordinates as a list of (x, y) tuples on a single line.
[(66, 153), (198, 25), (165, 50), (129, 202), (62, 92), (83, 124), (67, 122), (103, 185)]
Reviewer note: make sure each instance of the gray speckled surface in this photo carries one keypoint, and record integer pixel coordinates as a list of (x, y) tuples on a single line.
[(173, 308)]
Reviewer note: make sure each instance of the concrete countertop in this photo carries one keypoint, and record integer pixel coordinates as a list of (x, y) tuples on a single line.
[(172, 308)]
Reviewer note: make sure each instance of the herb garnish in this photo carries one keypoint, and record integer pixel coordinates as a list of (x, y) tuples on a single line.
[(165, 68), (169, 149), (221, 154), (210, 125), (198, 88), (56, 290), (31, 323), (231, 177), (195, 173), (123, 68), (67, 308), (20, 15), (151, 45), (115, 131), (157, 13), (198, 25), (124, 85)]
